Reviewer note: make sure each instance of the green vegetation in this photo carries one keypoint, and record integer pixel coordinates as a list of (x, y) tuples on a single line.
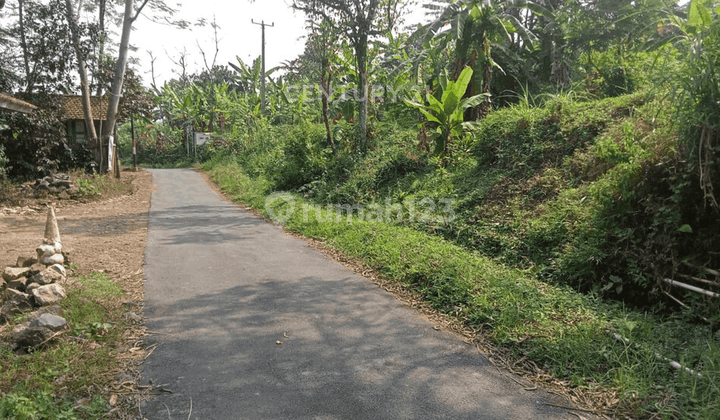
[(66, 379), (555, 222), (536, 170)]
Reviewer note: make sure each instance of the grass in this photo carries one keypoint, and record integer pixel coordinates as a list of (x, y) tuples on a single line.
[(94, 185), (50, 382), (569, 335)]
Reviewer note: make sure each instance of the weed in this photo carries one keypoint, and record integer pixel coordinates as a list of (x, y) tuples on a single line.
[(46, 384)]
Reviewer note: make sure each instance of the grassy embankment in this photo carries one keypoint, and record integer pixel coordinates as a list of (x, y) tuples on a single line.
[(542, 199)]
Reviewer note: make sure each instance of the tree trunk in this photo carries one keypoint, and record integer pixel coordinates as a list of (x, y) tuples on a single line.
[(122, 61), (82, 70), (23, 44), (101, 47), (361, 50), (325, 82)]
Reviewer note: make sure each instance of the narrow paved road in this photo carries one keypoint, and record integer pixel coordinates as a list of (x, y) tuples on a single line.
[(224, 288)]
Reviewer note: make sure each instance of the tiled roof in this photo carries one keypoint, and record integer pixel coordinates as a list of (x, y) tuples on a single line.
[(12, 104), (74, 110)]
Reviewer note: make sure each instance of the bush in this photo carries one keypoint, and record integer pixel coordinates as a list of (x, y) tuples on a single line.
[(3, 163), (36, 143), (303, 159)]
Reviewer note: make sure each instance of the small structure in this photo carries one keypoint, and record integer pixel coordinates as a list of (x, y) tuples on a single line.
[(75, 118), (8, 103)]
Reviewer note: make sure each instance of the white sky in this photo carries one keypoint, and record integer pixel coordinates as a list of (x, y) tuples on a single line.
[(237, 35)]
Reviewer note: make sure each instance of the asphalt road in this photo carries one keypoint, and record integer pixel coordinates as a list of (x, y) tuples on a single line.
[(225, 288)]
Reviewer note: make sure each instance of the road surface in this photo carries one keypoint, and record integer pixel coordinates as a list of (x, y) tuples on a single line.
[(254, 324)]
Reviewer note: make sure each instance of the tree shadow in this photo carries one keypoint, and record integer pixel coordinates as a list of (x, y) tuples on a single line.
[(325, 349)]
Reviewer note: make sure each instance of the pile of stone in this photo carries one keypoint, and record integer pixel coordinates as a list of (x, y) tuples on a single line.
[(59, 184), (34, 286)]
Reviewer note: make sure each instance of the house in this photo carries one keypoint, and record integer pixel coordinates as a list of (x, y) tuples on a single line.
[(74, 118), (8, 103)]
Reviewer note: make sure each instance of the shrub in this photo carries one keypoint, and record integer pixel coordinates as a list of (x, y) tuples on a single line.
[(36, 143)]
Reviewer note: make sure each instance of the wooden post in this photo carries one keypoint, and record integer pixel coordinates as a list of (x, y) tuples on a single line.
[(116, 163), (134, 144)]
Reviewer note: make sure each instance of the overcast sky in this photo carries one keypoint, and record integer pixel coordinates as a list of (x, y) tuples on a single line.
[(237, 35)]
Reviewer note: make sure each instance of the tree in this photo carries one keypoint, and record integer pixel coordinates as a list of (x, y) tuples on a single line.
[(130, 15), (476, 28), (359, 21), (37, 49), (446, 113), (319, 49)]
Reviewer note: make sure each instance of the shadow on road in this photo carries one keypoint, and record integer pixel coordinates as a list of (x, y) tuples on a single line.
[(343, 355)]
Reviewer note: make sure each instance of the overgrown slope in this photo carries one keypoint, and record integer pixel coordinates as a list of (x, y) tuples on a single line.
[(593, 195)]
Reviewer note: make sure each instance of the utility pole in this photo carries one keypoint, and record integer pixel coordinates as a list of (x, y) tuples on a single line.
[(263, 25)]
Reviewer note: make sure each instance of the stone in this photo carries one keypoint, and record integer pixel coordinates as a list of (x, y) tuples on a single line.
[(38, 267), (48, 276), (31, 337), (49, 294), (54, 259), (52, 232), (9, 293), (130, 303), (132, 317), (13, 273), (59, 268), (25, 262), (18, 284), (15, 305), (52, 322), (53, 310), (45, 250), (30, 287)]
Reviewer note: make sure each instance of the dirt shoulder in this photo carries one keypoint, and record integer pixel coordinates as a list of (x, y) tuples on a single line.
[(108, 234)]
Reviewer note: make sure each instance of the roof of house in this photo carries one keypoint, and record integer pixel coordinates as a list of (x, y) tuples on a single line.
[(74, 111), (11, 104)]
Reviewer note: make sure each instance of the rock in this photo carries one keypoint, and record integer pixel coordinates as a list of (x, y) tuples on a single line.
[(48, 276), (64, 195), (132, 317), (52, 322), (52, 310), (15, 305), (59, 268), (18, 284), (38, 267), (54, 259), (31, 337), (13, 273), (9, 293), (130, 303), (45, 250), (29, 288), (2, 284), (25, 262), (49, 294)]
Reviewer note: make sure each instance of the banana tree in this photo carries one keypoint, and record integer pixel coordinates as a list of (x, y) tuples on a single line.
[(475, 28), (446, 115)]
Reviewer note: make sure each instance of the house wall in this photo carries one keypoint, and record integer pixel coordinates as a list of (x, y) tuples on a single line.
[(77, 131)]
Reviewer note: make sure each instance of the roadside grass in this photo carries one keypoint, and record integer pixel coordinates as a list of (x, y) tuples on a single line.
[(612, 357), (67, 379), (95, 186)]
